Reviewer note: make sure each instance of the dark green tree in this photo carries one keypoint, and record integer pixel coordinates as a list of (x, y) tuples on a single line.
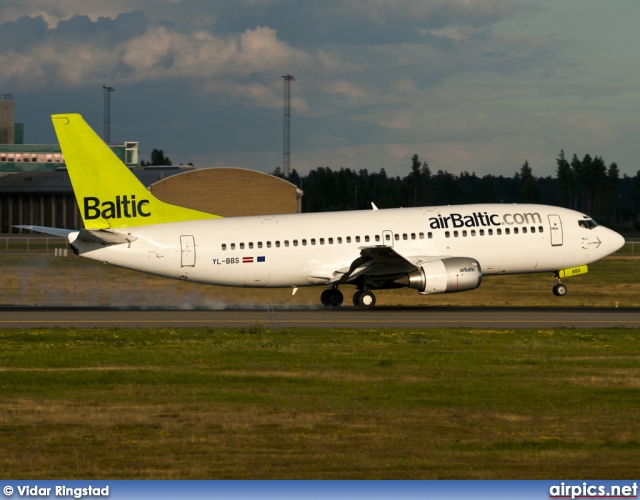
[(528, 191), (597, 185), (488, 193), (294, 178), (566, 180), (611, 190), (635, 204), (425, 183), (419, 181), (636, 193), (415, 177), (447, 188), (158, 158), (580, 183)]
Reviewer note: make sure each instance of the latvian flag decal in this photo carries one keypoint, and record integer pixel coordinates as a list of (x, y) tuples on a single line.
[(249, 260)]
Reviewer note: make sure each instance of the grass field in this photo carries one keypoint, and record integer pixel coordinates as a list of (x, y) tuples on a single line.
[(40, 279), (338, 404)]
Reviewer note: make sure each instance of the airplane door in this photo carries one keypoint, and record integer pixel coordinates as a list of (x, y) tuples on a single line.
[(387, 238), (556, 230), (188, 247)]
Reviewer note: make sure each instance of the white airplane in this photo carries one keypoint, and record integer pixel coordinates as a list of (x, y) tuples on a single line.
[(431, 249)]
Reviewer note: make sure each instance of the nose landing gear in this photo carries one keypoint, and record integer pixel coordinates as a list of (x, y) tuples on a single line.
[(559, 290)]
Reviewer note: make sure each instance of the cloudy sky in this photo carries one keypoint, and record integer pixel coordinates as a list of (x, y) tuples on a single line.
[(468, 85)]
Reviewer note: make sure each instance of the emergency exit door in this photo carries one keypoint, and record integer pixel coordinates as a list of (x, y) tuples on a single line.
[(555, 225)]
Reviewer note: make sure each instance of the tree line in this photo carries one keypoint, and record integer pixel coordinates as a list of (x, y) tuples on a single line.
[(587, 185)]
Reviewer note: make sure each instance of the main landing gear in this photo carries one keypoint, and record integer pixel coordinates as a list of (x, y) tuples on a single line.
[(331, 297), (362, 299), (559, 290)]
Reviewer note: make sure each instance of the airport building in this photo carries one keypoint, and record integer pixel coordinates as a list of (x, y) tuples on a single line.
[(16, 156), (230, 192), (8, 127)]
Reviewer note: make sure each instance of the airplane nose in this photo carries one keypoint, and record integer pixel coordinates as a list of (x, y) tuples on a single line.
[(616, 241), (619, 241)]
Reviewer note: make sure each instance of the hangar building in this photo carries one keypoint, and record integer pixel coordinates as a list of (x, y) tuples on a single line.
[(230, 192)]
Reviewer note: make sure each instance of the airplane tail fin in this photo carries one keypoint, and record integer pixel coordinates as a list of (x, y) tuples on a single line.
[(108, 194)]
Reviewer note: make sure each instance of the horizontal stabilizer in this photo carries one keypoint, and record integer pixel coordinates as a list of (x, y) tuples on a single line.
[(101, 237), (54, 231), (105, 238)]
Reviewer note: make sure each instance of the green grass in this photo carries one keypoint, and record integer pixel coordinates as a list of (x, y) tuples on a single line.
[(341, 404)]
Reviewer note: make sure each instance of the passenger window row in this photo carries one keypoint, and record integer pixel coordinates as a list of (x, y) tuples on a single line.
[(324, 241), (377, 238), (481, 232)]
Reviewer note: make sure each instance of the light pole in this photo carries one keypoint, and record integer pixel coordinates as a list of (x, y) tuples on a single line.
[(286, 143), (107, 113)]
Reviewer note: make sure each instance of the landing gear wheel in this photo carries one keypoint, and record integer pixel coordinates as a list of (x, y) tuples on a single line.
[(364, 300), (331, 298), (559, 290)]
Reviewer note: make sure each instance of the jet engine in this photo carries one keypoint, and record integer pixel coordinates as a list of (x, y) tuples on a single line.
[(454, 274)]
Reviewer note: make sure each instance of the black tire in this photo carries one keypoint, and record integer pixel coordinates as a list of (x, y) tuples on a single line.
[(559, 290), (335, 298), (366, 300)]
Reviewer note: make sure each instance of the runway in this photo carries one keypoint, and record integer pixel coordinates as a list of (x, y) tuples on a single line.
[(273, 318)]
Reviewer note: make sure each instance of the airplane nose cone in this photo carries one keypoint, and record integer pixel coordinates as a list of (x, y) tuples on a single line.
[(614, 241), (617, 241)]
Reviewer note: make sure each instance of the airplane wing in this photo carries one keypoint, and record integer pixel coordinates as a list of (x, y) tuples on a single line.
[(374, 261), (99, 236)]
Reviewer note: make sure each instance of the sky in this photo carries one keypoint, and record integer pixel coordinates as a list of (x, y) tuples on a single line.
[(469, 85)]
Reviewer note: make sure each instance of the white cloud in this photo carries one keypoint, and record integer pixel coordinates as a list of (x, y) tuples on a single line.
[(432, 12), (254, 93), (62, 10), (162, 53), (159, 53), (350, 93)]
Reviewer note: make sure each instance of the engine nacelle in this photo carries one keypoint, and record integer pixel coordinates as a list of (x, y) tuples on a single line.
[(455, 274)]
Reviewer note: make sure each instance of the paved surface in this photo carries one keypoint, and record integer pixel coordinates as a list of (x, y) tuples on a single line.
[(14, 317)]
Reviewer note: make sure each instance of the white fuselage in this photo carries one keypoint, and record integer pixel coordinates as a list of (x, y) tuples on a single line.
[(308, 249)]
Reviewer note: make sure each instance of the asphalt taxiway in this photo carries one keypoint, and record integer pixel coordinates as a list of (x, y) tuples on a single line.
[(451, 317)]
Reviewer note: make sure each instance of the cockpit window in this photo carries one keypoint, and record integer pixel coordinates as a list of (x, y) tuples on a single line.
[(587, 223)]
